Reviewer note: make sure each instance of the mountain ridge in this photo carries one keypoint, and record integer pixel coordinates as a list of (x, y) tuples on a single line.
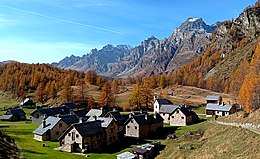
[(183, 45)]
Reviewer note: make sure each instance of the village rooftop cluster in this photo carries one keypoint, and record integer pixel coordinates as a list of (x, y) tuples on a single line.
[(83, 131)]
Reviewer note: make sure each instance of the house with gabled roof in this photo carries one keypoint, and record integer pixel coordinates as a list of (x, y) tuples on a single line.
[(83, 137), (183, 116), (53, 127), (219, 109), (111, 128), (50, 129), (143, 125), (159, 102), (81, 113), (216, 107), (120, 120), (27, 103), (14, 114), (70, 105), (213, 99), (40, 113), (166, 111)]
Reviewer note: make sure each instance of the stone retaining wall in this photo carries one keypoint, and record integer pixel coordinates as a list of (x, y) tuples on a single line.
[(239, 124)]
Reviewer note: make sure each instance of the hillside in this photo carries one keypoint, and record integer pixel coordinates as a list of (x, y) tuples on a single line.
[(217, 142), (233, 48)]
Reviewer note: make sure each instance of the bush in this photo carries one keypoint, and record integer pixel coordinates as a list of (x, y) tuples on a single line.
[(246, 114)]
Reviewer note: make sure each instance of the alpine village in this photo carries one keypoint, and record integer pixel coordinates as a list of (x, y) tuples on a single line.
[(195, 94)]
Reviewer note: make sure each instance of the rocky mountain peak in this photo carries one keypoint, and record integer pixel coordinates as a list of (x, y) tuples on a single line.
[(196, 24)]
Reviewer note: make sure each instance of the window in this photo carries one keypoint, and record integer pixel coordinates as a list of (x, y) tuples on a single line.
[(132, 121), (60, 125), (37, 115), (112, 130), (182, 117), (128, 126), (69, 134), (77, 135), (177, 111), (57, 132), (135, 127), (172, 116), (163, 114)]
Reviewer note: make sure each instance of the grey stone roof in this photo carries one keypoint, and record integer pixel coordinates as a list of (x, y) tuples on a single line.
[(81, 113), (143, 119), (169, 109), (69, 119), (212, 98), (96, 112), (164, 101), (53, 111), (5, 117), (16, 112), (89, 128), (104, 121), (51, 121), (217, 107), (69, 105)]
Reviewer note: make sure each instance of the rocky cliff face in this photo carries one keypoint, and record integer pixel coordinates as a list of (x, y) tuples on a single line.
[(152, 56)]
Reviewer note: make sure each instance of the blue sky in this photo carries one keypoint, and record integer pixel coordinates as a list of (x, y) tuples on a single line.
[(46, 31)]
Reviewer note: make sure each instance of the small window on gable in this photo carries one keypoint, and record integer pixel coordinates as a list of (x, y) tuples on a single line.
[(132, 121), (163, 114), (177, 111), (60, 125), (172, 116), (128, 126), (77, 135), (135, 127), (182, 117), (57, 132), (69, 134)]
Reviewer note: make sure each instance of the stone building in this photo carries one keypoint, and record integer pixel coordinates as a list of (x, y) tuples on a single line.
[(143, 125)]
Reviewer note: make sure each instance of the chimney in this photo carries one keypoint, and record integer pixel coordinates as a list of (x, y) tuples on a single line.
[(146, 116), (101, 108), (80, 120), (155, 115), (141, 111), (95, 117), (154, 98), (43, 123), (114, 109)]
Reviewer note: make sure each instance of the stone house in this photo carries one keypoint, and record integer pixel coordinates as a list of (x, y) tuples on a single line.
[(159, 102), (219, 109), (53, 127), (111, 129), (182, 116), (120, 120), (216, 107), (93, 135), (143, 125), (83, 137), (166, 111), (27, 103), (14, 114), (40, 113), (214, 99)]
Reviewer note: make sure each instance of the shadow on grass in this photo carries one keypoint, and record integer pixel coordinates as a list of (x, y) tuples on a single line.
[(32, 152), (163, 133), (121, 145)]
